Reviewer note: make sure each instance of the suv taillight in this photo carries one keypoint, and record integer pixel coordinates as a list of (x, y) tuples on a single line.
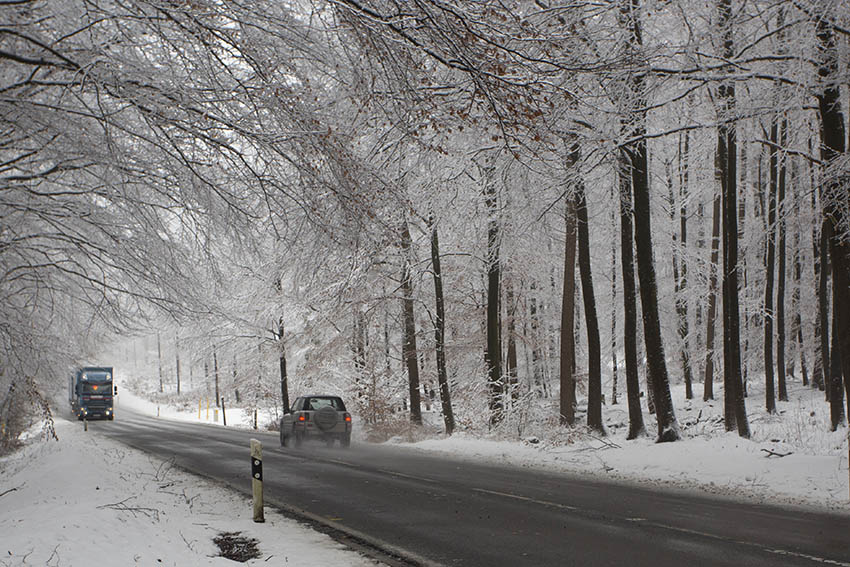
[(347, 417), (303, 417)]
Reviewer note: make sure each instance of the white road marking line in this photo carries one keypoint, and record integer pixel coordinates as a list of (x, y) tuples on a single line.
[(407, 476), (761, 547), (807, 556), (345, 463), (525, 499), (645, 522)]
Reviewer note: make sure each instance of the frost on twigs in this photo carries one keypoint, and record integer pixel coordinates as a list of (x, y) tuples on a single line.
[(237, 547), (136, 511)]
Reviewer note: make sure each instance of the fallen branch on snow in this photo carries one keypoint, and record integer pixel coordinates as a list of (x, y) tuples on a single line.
[(775, 454), (135, 510), (5, 492)]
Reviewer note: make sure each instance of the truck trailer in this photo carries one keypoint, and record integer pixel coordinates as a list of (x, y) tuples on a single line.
[(90, 392)]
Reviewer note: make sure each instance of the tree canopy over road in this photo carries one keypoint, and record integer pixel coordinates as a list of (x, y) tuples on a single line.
[(587, 186)]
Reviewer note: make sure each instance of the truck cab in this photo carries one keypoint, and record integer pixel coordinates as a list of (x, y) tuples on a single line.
[(91, 392)]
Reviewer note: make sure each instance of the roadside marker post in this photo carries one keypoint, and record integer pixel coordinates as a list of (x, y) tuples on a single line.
[(257, 479)]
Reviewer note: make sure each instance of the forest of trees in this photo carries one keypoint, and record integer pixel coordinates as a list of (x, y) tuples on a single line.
[(465, 203)]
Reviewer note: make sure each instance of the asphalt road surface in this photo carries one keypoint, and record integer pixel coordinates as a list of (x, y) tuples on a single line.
[(411, 508)]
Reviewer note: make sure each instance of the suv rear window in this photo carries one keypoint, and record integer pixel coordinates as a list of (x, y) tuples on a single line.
[(316, 404)]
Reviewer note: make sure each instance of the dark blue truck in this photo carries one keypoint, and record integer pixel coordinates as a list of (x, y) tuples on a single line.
[(90, 392)]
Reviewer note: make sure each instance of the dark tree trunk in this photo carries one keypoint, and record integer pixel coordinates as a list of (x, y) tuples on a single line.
[(834, 200), (409, 351), (797, 327), (284, 379), (836, 398), (796, 308), (727, 148), (159, 359), (780, 285), (537, 361), (824, 298), (567, 359), (215, 371), (594, 350), (440, 335), (636, 424), (512, 362), (493, 352), (614, 364), (681, 298), (711, 315), (770, 262), (177, 360), (820, 267), (668, 427), (742, 215)]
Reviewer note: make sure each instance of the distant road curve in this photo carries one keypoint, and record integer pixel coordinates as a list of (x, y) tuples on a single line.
[(411, 508)]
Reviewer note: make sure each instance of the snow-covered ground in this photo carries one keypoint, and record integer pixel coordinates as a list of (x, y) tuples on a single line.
[(57, 500), (90, 500)]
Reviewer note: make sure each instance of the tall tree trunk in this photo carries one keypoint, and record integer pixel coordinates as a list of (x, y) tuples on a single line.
[(711, 315), (668, 427), (727, 148), (820, 266), (614, 365), (742, 217), (493, 352), (159, 359), (215, 371), (630, 331), (834, 197), (568, 298), (440, 334), (512, 362), (681, 298), (281, 357), (409, 351), (797, 326), (780, 285), (824, 298), (836, 398), (177, 360), (594, 350), (770, 262)]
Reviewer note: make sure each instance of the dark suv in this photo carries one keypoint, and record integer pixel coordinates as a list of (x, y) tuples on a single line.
[(316, 417)]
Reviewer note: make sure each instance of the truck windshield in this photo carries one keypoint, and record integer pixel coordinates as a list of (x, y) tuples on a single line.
[(102, 388)]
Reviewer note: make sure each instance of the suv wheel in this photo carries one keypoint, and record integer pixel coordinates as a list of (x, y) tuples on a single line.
[(299, 438)]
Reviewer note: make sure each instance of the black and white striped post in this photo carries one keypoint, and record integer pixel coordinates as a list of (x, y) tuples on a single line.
[(257, 479)]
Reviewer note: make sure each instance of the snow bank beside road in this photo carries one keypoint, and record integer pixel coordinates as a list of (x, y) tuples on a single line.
[(88, 499)]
